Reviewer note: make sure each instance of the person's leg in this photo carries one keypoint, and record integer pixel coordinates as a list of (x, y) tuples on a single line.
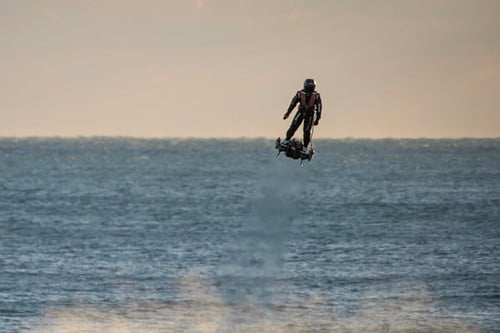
[(307, 130), (297, 120)]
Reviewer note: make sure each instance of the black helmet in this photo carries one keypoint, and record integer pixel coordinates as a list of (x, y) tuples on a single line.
[(309, 85)]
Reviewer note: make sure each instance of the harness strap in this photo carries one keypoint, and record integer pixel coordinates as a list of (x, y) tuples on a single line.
[(312, 99)]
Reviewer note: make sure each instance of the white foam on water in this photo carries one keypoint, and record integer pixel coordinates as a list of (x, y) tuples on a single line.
[(204, 311)]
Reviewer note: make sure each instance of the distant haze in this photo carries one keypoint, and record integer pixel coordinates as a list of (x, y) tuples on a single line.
[(228, 68)]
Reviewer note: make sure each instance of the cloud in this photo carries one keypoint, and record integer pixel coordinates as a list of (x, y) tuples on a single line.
[(199, 4)]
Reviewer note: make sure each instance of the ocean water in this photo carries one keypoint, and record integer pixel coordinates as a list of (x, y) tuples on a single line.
[(134, 235)]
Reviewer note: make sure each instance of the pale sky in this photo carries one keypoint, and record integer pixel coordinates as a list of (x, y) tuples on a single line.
[(229, 68)]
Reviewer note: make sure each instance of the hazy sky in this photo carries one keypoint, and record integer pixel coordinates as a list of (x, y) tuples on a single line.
[(216, 68)]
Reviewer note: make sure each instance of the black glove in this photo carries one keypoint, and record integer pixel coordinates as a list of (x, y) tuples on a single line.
[(286, 115), (316, 122)]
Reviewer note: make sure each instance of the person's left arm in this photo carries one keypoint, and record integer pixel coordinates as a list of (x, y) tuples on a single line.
[(319, 109)]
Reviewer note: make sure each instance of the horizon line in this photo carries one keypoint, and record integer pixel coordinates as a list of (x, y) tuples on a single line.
[(2, 137)]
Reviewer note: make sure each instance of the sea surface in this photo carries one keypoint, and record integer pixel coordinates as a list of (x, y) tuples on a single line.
[(185, 235)]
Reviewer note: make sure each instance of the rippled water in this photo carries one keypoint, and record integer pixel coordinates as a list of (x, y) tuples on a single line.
[(131, 235)]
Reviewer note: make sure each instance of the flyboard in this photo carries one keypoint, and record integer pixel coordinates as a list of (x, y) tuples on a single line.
[(293, 149)]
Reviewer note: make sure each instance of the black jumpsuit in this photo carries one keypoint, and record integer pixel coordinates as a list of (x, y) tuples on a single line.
[(306, 111)]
